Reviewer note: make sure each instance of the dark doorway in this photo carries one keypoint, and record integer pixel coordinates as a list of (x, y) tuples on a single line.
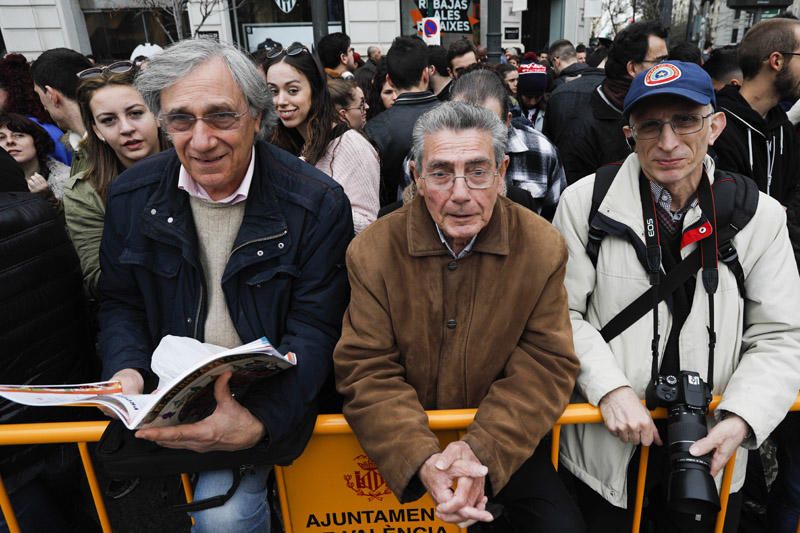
[(536, 25)]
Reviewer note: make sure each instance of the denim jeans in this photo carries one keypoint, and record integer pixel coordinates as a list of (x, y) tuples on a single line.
[(246, 511)]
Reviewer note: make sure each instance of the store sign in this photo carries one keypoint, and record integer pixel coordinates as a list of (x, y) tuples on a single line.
[(511, 33), (286, 5), (452, 14)]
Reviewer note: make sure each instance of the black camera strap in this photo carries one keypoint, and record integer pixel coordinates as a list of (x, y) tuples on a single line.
[(653, 254), (708, 261), (708, 254)]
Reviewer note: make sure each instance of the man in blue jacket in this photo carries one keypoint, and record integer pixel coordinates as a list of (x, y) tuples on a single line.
[(224, 239)]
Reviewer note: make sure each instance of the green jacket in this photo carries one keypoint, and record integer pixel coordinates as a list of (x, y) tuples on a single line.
[(85, 214)]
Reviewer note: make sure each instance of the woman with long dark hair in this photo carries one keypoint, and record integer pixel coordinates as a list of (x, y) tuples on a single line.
[(310, 128), (382, 94), (29, 144), (120, 130), (17, 95)]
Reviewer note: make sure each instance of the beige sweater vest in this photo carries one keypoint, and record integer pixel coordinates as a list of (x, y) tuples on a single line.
[(217, 226)]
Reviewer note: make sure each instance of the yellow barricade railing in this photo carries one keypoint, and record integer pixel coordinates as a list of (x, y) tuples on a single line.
[(303, 485)]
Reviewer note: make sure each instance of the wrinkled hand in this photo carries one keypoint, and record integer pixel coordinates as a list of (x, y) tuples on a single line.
[(131, 381), (723, 439), (457, 463), (230, 427), (37, 183), (626, 417)]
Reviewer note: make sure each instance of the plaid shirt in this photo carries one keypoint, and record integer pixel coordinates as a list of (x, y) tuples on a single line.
[(670, 220), (535, 166)]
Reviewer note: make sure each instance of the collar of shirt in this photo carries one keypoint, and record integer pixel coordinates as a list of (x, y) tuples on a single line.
[(517, 142), (467, 249), (188, 184), (664, 200), (75, 139), (411, 98)]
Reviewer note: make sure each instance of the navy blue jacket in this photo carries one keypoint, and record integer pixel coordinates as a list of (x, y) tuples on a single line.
[(285, 278)]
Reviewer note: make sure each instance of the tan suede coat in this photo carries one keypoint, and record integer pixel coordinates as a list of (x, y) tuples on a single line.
[(423, 331)]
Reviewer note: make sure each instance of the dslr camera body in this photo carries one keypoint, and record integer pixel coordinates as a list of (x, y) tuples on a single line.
[(686, 397)]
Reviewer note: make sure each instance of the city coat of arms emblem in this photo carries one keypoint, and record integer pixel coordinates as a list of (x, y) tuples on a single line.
[(367, 481)]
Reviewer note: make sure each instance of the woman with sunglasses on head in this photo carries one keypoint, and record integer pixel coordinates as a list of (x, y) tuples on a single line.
[(348, 99), (310, 128), (29, 144), (121, 130)]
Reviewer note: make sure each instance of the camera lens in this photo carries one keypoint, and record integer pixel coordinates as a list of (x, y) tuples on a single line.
[(691, 487)]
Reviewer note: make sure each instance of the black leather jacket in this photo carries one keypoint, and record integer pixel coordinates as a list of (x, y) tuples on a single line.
[(44, 326)]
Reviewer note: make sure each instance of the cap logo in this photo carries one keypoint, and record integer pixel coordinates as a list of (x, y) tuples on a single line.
[(532, 68), (661, 74)]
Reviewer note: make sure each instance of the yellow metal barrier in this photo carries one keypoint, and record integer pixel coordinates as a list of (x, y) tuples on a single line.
[(321, 499)]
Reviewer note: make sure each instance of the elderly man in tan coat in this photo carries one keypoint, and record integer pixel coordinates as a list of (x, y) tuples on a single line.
[(458, 302)]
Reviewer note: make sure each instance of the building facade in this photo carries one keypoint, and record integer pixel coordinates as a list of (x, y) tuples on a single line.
[(110, 29)]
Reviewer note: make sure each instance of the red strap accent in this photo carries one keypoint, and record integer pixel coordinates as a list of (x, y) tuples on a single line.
[(696, 234)]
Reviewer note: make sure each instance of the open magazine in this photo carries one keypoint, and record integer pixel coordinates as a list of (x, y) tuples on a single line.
[(187, 397)]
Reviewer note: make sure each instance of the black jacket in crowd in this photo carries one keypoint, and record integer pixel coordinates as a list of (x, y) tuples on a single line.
[(391, 132), (585, 127), (45, 334), (763, 148), (574, 71)]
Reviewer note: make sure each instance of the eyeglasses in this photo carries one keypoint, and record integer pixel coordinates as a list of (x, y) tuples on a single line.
[(790, 53), (120, 67), (183, 122), (477, 178), (653, 61), (362, 107), (680, 124), (294, 49)]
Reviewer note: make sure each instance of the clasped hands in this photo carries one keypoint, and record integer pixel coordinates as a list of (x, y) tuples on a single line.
[(630, 421), (230, 427), (466, 504)]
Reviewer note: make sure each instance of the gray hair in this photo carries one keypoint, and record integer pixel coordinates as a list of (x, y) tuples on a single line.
[(179, 59), (457, 116)]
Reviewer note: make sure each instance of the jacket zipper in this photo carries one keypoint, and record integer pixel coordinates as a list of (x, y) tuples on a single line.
[(200, 300), (199, 307), (269, 238)]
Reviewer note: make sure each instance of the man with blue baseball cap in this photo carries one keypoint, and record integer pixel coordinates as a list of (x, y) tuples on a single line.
[(681, 283)]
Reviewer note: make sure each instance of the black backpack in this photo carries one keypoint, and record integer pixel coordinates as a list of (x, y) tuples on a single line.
[(735, 200)]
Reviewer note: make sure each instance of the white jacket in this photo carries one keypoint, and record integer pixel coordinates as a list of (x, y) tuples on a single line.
[(757, 358)]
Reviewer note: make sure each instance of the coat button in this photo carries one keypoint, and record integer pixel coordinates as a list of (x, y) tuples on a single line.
[(260, 253), (280, 246), (170, 220), (153, 211), (451, 324), (189, 320), (452, 265)]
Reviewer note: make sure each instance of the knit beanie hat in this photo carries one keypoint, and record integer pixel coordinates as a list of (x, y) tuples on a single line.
[(532, 79)]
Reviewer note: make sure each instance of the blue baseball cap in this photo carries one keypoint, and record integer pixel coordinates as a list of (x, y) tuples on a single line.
[(687, 80)]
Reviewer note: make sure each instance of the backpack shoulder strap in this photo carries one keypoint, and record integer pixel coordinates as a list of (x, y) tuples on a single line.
[(602, 182), (736, 201)]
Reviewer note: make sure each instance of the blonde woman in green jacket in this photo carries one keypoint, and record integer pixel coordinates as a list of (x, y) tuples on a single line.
[(121, 130)]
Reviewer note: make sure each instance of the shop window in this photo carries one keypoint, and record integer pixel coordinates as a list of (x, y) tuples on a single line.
[(114, 34), (261, 19)]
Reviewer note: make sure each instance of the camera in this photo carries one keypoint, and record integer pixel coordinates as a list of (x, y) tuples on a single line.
[(691, 488)]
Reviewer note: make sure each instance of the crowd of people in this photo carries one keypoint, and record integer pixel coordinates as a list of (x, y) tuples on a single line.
[(609, 224)]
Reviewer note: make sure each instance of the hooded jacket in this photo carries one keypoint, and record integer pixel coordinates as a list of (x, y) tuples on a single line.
[(763, 148)]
